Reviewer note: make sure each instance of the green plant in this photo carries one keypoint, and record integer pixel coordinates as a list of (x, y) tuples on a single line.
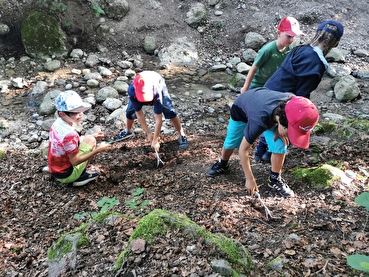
[(136, 202), (105, 203), (54, 6), (358, 261), (95, 6)]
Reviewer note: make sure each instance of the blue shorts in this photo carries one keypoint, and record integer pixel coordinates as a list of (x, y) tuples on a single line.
[(164, 107), (277, 146), (235, 134)]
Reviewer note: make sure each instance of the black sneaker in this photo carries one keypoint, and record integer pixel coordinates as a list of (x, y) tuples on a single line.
[(182, 142), (125, 134), (85, 178), (281, 186), (217, 169)]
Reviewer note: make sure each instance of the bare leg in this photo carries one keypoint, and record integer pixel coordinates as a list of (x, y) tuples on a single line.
[(277, 161), (177, 125), (226, 154), (129, 124)]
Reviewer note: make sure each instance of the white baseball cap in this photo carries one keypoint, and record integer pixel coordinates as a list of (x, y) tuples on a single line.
[(70, 101)]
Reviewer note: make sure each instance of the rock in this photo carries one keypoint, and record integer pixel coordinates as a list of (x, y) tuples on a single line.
[(196, 16), (116, 9), (52, 65), (254, 40), (47, 106), (4, 29), (112, 103), (149, 44), (106, 92), (346, 89), (42, 36), (181, 52)]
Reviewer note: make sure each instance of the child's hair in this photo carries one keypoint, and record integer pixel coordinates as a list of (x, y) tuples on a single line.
[(326, 39), (281, 113)]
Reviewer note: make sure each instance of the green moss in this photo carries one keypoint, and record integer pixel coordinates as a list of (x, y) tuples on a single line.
[(65, 245), (42, 36), (320, 177), (158, 222), (2, 153)]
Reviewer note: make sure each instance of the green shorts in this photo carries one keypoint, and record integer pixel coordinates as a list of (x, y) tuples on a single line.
[(83, 149)]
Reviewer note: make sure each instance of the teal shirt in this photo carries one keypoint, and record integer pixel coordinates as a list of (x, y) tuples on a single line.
[(268, 60)]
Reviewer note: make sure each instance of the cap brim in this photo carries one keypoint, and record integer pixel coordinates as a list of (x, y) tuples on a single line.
[(298, 138), (82, 108), (294, 34)]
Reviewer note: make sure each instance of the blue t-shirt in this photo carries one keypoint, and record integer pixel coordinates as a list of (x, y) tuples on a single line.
[(256, 108), (300, 73)]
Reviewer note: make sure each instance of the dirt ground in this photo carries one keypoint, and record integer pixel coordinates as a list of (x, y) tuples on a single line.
[(311, 233)]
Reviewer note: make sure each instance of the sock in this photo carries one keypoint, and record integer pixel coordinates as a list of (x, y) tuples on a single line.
[(274, 175), (223, 162)]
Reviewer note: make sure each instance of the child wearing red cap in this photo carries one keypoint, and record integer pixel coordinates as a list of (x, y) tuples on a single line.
[(303, 68), (267, 61), (269, 58), (286, 116), (272, 54), (300, 73), (149, 88)]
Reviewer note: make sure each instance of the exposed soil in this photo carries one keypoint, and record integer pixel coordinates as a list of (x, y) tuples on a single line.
[(312, 233)]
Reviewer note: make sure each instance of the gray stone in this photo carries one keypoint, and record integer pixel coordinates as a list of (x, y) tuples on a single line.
[(196, 16), (346, 89), (254, 41)]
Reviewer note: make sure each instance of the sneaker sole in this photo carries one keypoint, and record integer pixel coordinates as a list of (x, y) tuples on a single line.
[(84, 182), (125, 138), (291, 195), (217, 173)]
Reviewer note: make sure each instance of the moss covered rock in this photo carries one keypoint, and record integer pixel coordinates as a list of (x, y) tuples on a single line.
[(43, 37)]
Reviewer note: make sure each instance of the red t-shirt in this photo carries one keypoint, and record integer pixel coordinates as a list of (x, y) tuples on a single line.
[(63, 140)]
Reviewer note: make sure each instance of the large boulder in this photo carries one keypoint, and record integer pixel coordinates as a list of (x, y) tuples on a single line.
[(43, 37)]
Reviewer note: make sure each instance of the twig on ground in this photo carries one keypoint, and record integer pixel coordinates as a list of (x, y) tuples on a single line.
[(322, 269)]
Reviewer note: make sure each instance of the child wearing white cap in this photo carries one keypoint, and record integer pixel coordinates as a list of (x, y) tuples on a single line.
[(68, 153)]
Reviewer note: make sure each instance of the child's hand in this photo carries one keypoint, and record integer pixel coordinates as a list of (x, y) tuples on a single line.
[(103, 146), (251, 186), (99, 135), (155, 145)]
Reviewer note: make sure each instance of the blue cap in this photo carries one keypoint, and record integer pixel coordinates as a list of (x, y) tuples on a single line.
[(333, 27)]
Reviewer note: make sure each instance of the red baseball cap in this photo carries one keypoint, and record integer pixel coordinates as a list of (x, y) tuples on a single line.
[(144, 88), (302, 116), (290, 26)]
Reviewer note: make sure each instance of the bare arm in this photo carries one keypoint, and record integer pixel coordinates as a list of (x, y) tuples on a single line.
[(142, 120), (249, 77), (158, 123), (245, 162), (76, 159)]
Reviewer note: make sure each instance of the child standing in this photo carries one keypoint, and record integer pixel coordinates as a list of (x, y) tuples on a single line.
[(269, 58), (149, 88), (68, 153), (300, 73)]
